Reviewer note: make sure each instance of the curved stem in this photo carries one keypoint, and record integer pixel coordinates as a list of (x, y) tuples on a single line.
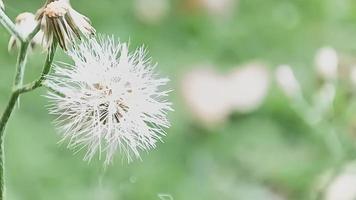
[(21, 63), (17, 90), (5, 117), (46, 69), (20, 70)]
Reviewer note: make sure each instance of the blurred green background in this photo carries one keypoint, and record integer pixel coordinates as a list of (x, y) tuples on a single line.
[(269, 154)]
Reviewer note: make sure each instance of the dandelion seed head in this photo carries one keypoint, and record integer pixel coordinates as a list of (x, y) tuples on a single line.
[(111, 100)]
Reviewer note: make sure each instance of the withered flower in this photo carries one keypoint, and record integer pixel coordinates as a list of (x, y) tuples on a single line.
[(61, 22)]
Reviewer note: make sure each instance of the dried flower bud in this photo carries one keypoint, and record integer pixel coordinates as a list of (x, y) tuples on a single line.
[(61, 22), (26, 23), (326, 62), (2, 6), (287, 81)]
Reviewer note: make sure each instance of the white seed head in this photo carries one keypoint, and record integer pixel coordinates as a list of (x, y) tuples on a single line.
[(109, 99), (247, 87), (327, 61), (26, 23), (60, 21), (287, 81)]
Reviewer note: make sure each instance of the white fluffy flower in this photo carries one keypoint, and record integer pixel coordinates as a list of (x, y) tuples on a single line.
[(109, 100)]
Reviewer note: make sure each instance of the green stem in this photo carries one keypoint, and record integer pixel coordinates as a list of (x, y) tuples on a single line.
[(21, 63), (10, 26), (17, 90), (18, 82), (3, 121), (46, 69)]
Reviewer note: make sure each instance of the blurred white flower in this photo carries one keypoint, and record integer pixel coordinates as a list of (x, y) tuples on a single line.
[(247, 87), (219, 7), (324, 98), (343, 187), (151, 11), (353, 76), (287, 81), (26, 23), (327, 61), (59, 20), (211, 97), (2, 6), (109, 99), (206, 96)]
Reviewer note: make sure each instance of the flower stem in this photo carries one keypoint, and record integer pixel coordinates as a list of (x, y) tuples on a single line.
[(21, 63), (18, 84), (5, 117), (20, 69), (46, 69), (18, 89)]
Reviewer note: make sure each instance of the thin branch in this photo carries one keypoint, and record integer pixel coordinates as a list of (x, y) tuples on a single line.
[(20, 69), (10, 26), (21, 64), (17, 90), (46, 69)]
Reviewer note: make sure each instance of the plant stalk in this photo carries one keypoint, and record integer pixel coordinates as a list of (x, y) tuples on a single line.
[(18, 89), (21, 63)]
